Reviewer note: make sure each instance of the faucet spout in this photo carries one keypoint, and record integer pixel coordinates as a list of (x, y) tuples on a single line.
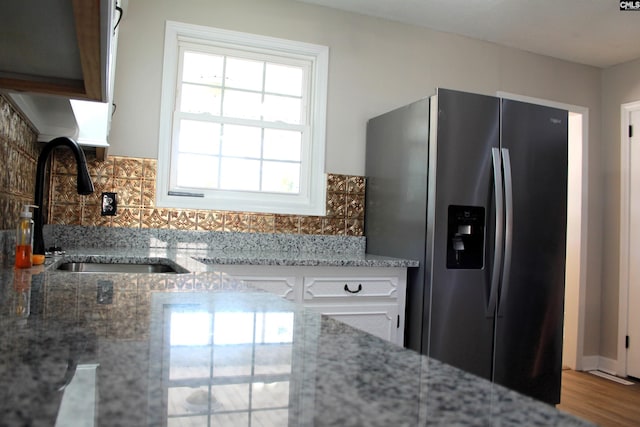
[(85, 186)]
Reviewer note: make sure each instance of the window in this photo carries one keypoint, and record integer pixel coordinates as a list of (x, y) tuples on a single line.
[(226, 368), (242, 122)]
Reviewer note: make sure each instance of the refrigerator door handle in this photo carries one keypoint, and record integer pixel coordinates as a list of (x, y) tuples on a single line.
[(508, 229), (497, 246)]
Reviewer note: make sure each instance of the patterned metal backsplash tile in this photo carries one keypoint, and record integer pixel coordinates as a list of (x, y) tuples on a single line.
[(18, 157), (134, 179)]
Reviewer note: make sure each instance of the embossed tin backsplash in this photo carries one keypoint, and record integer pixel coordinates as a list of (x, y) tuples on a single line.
[(18, 156), (134, 181)]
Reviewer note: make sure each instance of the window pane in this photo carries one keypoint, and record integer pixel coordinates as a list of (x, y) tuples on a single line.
[(282, 145), (283, 79), (202, 68), (187, 400), (199, 137), (233, 328), (232, 397), (278, 328), (243, 105), (276, 417), (192, 328), (270, 395), (279, 177), (272, 359), (200, 99), (232, 360), (189, 362), (229, 419), (282, 109), (241, 141), (244, 74), (197, 171), (187, 421), (240, 174)]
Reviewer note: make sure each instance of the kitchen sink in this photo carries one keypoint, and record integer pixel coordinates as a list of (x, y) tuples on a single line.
[(98, 267)]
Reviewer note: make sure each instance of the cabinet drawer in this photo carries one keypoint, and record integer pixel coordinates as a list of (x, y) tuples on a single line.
[(347, 287), (281, 286), (381, 320)]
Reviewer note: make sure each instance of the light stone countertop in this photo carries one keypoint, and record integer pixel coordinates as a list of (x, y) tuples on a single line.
[(219, 247), (198, 259), (164, 349)]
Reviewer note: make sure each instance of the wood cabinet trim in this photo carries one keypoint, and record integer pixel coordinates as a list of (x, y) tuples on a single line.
[(87, 23), (87, 20)]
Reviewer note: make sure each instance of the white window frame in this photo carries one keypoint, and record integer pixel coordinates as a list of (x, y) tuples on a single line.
[(311, 198)]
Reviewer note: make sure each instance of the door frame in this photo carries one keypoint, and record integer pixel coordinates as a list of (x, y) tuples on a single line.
[(625, 187), (576, 327)]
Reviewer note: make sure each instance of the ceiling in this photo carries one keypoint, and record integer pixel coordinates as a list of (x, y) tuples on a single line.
[(591, 32)]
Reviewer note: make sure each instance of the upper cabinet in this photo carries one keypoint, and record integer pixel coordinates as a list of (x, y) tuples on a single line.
[(57, 63), (58, 47)]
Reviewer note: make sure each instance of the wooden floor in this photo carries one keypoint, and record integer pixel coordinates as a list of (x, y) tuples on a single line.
[(600, 400)]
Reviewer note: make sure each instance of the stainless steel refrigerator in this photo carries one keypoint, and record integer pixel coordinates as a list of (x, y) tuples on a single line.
[(474, 187)]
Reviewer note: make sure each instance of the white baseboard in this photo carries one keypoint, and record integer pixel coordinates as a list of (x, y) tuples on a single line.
[(610, 366), (599, 363), (589, 363)]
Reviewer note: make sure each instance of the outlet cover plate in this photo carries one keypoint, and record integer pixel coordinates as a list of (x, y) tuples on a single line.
[(109, 205)]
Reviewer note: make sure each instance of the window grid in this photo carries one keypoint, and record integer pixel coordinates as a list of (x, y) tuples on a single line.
[(258, 326), (297, 140), (224, 119)]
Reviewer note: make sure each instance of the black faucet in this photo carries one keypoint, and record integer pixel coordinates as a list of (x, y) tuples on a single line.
[(85, 186)]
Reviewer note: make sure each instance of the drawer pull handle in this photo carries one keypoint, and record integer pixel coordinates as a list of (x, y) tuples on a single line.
[(346, 288)]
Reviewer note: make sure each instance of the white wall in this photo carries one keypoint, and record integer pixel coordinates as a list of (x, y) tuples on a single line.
[(375, 66)]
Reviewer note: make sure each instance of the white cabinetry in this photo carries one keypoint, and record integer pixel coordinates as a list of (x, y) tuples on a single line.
[(72, 98), (369, 303), (381, 320), (371, 299), (279, 281)]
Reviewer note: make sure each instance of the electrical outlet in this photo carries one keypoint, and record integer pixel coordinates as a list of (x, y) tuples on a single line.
[(105, 292), (109, 204)]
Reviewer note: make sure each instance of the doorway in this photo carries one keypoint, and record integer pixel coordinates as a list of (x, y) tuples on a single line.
[(577, 220), (573, 342), (629, 294)]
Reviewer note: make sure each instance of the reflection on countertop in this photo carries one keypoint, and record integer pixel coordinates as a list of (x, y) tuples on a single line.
[(200, 349)]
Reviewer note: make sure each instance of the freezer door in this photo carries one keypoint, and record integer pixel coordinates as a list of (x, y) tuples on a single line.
[(462, 217), (396, 199), (528, 355)]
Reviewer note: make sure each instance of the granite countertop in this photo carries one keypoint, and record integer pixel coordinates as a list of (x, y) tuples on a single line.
[(201, 349), (221, 247), (199, 259)]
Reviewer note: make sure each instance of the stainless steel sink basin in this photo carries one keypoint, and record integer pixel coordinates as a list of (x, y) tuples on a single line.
[(96, 267)]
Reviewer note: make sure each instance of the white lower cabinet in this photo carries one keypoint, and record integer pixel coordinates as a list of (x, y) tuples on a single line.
[(371, 299), (381, 320), (276, 281)]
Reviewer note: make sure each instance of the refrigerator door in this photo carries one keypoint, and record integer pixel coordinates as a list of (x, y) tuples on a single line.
[(396, 199), (461, 186), (528, 354)]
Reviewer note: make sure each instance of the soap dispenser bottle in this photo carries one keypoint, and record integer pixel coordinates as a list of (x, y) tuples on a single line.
[(24, 238)]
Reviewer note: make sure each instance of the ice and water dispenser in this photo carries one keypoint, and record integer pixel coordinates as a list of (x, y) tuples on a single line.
[(465, 237)]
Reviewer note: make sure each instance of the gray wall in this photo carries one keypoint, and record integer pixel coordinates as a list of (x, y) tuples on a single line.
[(375, 66), (620, 84)]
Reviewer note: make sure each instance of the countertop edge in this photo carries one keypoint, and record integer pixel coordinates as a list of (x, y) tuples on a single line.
[(198, 260)]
